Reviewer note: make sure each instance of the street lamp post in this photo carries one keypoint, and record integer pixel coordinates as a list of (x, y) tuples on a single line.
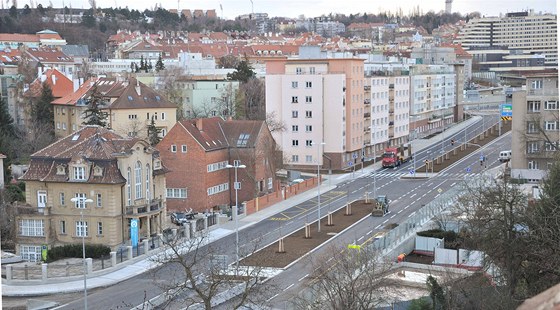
[(236, 186), (85, 201), (319, 185)]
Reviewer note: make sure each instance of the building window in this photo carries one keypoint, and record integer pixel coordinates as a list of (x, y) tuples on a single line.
[(128, 187), (308, 114), (308, 84), (63, 126), (162, 116), (80, 201), (532, 147), (62, 199), (173, 148), (63, 227), (99, 228), (551, 147), (183, 148), (216, 166), (269, 183), (138, 180), (81, 229), (551, 105), (299, 70), (533, 106), (176, 193), (148, 175), (99, 202), (294, 99), (295, 158), (311, 70), (308, 143), (294, 84), (132, 116), (532, 127), (218, 189), (30, 253), (308, 128), (550, 125), (31, 228), (538, 84), (533, 165), (295, 142), (308, 99), (294, 114), (308, 158), (80, 173), (295, 128)]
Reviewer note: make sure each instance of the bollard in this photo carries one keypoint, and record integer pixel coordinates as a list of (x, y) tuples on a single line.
[(89, 265), (329, 219), (307, 231), (455, 151), (44, 272), (129, 252), (146, 246), (113, 259), (186, 231), (205, 222), (348, 209), (446, 156), (26, 272), (9, 274), (281, 246)]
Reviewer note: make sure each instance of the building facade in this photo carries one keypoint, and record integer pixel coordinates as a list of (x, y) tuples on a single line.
[(123, 177), (535, 127)]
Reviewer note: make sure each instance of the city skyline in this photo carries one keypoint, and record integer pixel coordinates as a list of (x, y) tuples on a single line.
[(312, 8)]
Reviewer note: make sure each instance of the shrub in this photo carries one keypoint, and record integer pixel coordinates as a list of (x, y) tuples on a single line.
[(75, 250), (452, 239)]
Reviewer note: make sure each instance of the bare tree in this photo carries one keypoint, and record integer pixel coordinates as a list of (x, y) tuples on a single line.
[(167, 85), (250, 100), (201, 276), (352, 279), (535, 131)]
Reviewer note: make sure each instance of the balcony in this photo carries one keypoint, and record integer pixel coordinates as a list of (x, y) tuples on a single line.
[(367, 101), (391, 111), (367, 115), (149, 207), (391, 86), (367, 87)]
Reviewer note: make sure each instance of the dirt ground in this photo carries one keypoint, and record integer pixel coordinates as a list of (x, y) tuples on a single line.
[(296, 245)]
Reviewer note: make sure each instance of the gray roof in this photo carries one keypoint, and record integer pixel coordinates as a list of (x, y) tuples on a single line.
[(75, 50)]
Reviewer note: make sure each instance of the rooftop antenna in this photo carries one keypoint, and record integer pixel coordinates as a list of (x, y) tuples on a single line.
[(252, 9)]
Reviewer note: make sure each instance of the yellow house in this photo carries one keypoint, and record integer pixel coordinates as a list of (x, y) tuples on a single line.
[(130, 105), (123, 177)]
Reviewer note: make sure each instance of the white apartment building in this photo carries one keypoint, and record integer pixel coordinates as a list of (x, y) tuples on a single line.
[(432, 98), (377, 126), (527, 31), (207, 98), (399, 109)]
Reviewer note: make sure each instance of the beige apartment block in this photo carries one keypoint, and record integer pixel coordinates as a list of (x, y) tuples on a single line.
[(123, 176), (535, 127)]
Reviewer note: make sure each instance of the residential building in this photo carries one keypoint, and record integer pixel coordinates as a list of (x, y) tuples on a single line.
[(376, 114), (41, 38), (319, 100), (207, 98), (9, 76), (526, 31), (197, 153), (535, 127), (46, 58), (433, 98), (399, 109), (130, 105), (123, 176)]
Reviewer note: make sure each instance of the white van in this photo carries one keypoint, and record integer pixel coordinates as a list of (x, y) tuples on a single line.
[(505, 156)]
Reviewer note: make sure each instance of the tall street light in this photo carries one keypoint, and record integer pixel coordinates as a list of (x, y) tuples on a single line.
[(236, 186), (319, 185), (85, 201)]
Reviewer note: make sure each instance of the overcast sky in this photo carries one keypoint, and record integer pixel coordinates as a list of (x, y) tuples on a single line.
[(312, 8)]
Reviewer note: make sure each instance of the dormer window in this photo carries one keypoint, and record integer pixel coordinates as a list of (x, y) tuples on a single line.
[(97, 171), (79, 173), (60, 170)]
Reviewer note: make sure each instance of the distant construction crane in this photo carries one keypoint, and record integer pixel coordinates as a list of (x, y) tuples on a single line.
[(448, 6)]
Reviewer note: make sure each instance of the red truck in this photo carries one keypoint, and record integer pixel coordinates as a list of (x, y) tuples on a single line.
[(395, 156)]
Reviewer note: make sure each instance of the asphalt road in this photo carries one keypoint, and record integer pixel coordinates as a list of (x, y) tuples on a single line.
[(406, 197)]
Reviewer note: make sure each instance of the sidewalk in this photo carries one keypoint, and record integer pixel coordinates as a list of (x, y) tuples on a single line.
[(139, 265)]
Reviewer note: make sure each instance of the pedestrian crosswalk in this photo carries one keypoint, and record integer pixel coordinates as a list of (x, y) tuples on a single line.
[(403, 174)]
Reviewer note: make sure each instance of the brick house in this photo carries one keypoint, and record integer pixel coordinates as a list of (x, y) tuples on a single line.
[(123, 176), (197, 153)]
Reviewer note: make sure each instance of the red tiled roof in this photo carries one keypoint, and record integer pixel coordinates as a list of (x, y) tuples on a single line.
[(207, 132), (58, 82), (18, 37), (136, 95), (48, 55)]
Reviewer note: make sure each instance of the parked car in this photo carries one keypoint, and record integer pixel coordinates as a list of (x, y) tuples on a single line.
[(178, 218), (505, 156)]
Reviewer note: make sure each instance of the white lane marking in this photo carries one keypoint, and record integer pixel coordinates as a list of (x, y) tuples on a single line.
[(453, 184), (369, 232), (411, 196), (399, 212), (393, 215), (271, 298), (411, 214), (362, 237), (287, 288), (387, 220), (407, 207), (395, 200), (355, 191), (305, 276), (377, 226), (290, 222), (328, 260)]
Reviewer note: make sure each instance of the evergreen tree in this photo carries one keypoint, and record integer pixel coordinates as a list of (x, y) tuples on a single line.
[(42, 110), (159, 64), (243, 72), (93, 115), (7, 135), (153, 133), (142, 64), (6, 120)]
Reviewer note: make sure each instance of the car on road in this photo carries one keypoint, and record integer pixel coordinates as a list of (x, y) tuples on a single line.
[(504, 156), (178, 218)]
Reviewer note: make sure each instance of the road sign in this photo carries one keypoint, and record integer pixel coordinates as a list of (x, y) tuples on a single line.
[(354, 156), (506, 109), (481, 157), (468, 169), (350, 164), (411, 171)]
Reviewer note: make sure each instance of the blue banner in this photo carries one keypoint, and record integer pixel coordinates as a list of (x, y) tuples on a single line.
[(134, 232)]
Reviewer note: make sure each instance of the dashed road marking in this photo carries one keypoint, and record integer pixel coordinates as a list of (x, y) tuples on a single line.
[(399, 212), (369, 232), (271, 298), (305, 276), (362, 237), (288, 287), (387, 220)]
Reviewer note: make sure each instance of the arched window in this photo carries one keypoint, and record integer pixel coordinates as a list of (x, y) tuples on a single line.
[(148, 174), (128, 186), (138, 179)]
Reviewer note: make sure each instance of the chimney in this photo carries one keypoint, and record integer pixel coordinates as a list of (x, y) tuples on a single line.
[(53, 79), (43, 78), (199, 124), (137, 87)]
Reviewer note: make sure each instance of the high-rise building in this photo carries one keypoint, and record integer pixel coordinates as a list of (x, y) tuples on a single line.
[(525, 33)]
